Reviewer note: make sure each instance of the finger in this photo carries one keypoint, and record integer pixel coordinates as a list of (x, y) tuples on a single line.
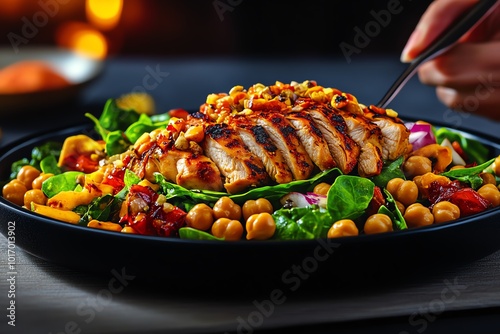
[(480, 101), (439, 15), (464, 67)]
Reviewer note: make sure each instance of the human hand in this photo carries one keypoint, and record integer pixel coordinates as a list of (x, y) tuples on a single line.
[(467, 76)]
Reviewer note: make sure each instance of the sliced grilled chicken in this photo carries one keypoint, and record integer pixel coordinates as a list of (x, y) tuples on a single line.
[(344, 149), (198, 172), (369, 137), (312, 139), (395, 142), (240, 167), (259, 143), (185, 168), (284, 136)]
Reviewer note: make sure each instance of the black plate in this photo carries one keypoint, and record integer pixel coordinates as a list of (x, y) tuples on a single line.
[(286, 262)]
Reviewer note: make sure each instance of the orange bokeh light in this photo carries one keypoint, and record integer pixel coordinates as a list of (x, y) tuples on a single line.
[(83, 39), (104, 14)]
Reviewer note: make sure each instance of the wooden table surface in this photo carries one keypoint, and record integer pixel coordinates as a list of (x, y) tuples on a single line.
[(54, 299)]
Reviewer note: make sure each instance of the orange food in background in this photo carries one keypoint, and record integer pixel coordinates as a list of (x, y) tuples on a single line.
[(30, 76)]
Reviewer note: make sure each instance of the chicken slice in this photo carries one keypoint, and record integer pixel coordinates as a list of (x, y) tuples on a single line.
[(312, 139), (198, 172), (259, 143), (284, 136), (369, 137), (344, 149), (185, 168), (396, 135), (240, 167)]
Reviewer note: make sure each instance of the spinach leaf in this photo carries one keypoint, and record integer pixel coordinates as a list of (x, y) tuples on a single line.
[(63, 182), (145, 124), (275, 192), (114, 118), (116, 142), (301, 223), (391, 170), (469, 175), (475, 151), (49, 165), (349, 196), (194, 234), (38, 153), (272, 193)]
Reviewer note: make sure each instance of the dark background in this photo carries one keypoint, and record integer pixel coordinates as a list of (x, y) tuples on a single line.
[(248, 28)]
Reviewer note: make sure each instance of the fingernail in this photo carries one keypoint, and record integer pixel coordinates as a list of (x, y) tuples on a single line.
[(407, 54), (446, 95)]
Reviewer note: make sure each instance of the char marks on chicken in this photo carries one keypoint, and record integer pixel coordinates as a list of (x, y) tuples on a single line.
[(241, 168), (272, 135)]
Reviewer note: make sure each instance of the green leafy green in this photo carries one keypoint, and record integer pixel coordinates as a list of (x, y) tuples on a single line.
[(194, 234), (391, 170), (349, 196), (120, 128), (101, 208), (392, 210), (66, 181), (475, 151), (49, 165), (145, 124), (38, 154), (301, 223), (469, 175), (272, 193)]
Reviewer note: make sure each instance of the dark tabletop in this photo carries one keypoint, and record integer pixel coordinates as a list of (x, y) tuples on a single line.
[(54, 299)]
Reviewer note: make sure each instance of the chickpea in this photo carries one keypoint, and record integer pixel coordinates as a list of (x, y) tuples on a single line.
[(457, 167), (343, 228), (322, 188), (488, 178), (37, 183), (14, 192), (252, 207), (34, 195), (445, 211), (27, 174), (423, 182), (200, 217), (227, 229), (417, 215), (491, 193), (416, 165), (378, 223), (226, 208), (260, 226), (403, 191)]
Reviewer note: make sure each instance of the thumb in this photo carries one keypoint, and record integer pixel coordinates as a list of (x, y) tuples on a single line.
[(438, 16)]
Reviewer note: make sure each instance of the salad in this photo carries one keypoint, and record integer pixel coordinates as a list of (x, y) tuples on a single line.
[(280, 162)]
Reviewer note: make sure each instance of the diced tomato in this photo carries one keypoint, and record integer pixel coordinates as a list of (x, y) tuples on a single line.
[(377, 201), (81, 163), (179, 113), (152, 219), (469, 202), (115, 179), (456, 146), (467, 199)]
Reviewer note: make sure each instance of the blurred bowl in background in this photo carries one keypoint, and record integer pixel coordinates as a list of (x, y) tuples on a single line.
[(78, 71)]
